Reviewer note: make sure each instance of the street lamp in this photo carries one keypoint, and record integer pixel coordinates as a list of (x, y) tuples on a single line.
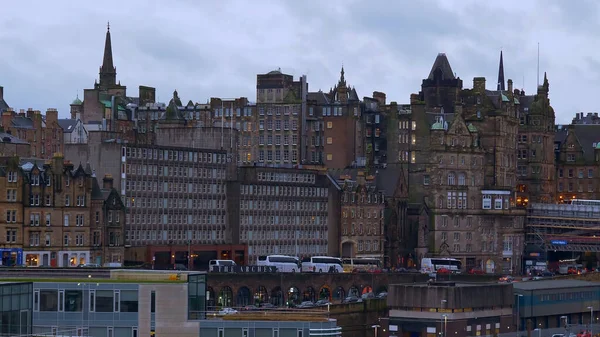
[(591, 320), (445, 323), (441, 320), (519, 312), (375, 327)]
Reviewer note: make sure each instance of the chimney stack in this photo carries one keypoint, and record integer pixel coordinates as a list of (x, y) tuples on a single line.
[(510, 85), (107, 182), (1, 92), (379, 96), (479, 85)]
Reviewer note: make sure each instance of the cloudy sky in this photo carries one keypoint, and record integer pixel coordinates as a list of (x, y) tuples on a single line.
[(51, 51)]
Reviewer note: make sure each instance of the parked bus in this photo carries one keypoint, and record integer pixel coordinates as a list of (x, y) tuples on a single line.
[(360, 264), (566, 267), (322, 264), (432, 265), (283, 263), (583, 202)]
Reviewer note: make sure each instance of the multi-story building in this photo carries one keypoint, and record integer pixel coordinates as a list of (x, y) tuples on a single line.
[(462, 164), (48, 212), (11, 203), (285, 211), (375, 131), (56, 229), (535, 145), (281, 110), (43, 133), (577, 149), (107, 221), (589, 118), (177, 210), (74, 131), (362, 232)]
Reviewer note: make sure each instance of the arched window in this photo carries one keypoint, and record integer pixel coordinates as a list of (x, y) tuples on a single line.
[(462, 179), (451, 178)]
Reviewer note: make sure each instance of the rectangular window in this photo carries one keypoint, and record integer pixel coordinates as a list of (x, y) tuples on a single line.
[(244, 332), (153, 301), (92, 302), (129, 301), (36, 300), (117, 298), (275, 332), (221, 332), (110, 331), (134, 332), (300, 333), (61, 300), (48, 300), (104, 301), (73, 300), (487, 202)]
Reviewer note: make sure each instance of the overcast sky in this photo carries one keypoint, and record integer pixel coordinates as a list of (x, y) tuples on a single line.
[(51, 51)]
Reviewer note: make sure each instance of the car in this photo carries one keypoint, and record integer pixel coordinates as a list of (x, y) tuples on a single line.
[(227, 311), (475, 271), (351, 299), (382, 294), (265, 306), (367, 296), (89, 265), (506, 279), (306, 304), (321, 303)]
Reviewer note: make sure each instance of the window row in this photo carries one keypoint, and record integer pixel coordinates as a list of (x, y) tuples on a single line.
[(167, 186), (308, 219), (371, 229), (35, 199), (180, 235), (457, 236), (285, 205), (49, 300), (173, 171), (571, 187), (353, 197), (34, 240), (285, 191), (175, 155), (291, 249), (580, 173), (362, 213), (278, 155), (259, 235), (456, 220), (180, 219), (193, 205), (268, 124)]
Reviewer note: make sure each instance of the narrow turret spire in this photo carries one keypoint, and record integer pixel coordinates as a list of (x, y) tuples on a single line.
[(108, 72), (501, 74)]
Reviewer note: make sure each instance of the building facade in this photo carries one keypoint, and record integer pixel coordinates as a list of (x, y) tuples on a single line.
[(461, 162), (107, 223), (43, 132), (285, 211), (362, 231), (48, 213), (16, 310)]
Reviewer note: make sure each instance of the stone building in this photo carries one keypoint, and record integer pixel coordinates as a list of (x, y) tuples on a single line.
[(461, 163), (285, 211), (43, 133), (107, 223), (48, 212), (577, 162), (3, 105), (362, 232)]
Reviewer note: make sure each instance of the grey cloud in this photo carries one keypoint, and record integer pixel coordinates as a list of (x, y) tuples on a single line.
[(206, 49)]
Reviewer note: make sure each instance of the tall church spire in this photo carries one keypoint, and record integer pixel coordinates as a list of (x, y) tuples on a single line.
[(108, 72), (501, 74)]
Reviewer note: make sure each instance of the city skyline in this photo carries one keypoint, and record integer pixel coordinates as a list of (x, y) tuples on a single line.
[(315, 39)]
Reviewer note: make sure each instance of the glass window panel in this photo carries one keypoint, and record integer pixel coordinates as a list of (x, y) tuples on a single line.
[(129, 301), (73, 300), (48, 300), (104, 301)]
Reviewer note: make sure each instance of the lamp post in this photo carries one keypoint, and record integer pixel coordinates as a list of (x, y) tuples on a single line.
[(375, 327), (591, 320), (519, 312), (442, 318), (445, 323)]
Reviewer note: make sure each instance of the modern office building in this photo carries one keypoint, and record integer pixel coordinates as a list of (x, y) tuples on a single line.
[(15, 308), (449, 308), (557, 303)]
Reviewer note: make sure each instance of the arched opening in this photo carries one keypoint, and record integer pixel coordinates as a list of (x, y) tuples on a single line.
[(309, 294), (490, 266), (210, 301), (381, 289), (325, 293), (293, 296), (244, 297), (348, 249), (353, 291), (339, 294), (262, 294), (277, 297), (367, 289), (225, 297)]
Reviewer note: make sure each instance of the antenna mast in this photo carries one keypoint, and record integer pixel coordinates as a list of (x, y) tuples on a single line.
[(538, 66)]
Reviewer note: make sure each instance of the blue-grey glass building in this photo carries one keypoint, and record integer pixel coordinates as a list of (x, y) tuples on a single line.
[(15, 308)]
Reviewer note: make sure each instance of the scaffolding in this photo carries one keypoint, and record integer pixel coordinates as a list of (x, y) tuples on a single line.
[(565, 228)]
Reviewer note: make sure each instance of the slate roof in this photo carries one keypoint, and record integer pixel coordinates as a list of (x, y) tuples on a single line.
[(68, 125), (319, 96), (97, 192), (4, 138), (441, 62), (553, 284), (3, 105), (587, 134), (22, 122)]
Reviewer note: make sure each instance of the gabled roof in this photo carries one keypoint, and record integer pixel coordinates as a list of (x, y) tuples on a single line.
[(587, 135), (22, 122), (68, 125)]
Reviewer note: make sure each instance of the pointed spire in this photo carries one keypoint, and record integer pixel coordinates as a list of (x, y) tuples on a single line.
[(501, 74), (342, 81), (108, 72)]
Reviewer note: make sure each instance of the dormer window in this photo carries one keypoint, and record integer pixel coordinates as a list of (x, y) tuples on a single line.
[(571, 157), (35, 179), (12, 177)]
